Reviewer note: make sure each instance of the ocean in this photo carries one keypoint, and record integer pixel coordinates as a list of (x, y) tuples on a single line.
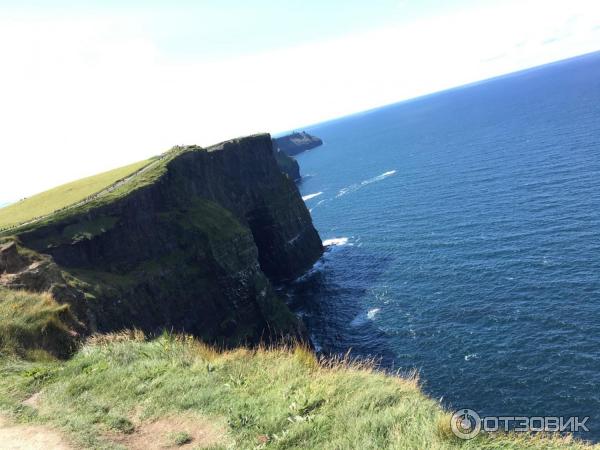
[(464, 241)]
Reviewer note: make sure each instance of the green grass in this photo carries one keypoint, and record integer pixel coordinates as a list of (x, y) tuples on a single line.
[(62, 196), (180, 438), (56, 204), (154, 169), (64, 201), (266, 398), (34, 325)]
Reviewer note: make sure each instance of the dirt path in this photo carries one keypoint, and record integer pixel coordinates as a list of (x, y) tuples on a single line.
[(174, 432), (30, 437), (192, 432)]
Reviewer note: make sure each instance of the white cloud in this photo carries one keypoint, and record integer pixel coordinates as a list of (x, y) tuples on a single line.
[(84, 94)]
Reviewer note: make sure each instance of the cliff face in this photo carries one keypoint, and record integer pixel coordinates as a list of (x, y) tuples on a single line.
[(193, 250), (297, 143), (287, 164)]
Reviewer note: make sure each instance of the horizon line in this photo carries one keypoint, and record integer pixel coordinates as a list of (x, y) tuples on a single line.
[(437, 92), (5, 202)]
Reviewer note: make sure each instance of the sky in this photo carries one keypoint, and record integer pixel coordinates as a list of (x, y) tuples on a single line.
[(88, 86)]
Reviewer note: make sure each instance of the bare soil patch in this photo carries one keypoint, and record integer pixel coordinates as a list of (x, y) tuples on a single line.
[(176, 431), (30, 437)]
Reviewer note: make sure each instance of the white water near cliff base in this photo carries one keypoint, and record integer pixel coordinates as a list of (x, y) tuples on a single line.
[(309, 196)]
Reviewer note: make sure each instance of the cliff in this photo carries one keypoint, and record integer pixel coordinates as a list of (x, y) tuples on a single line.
[(295, 143), (287, 164), (287, 146), (189, 243)]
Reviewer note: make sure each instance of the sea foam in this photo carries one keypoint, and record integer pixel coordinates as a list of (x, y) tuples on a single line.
[(309, 196), (372, 313), (335, 242), (364, 318), (355, 187)]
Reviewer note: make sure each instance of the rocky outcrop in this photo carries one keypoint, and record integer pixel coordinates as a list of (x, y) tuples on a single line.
[(295, 143), (11, 261), (193, 251)]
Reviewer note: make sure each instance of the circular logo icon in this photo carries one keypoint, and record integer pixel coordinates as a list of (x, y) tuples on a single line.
[(465, 423)]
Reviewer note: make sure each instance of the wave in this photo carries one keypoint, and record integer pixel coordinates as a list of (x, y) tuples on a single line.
[(317, 267), (372, 313), (320, 202), (309, 196), (380, 177), (320, 264), (471, 356), (357, 186), (334, 242), (366, 317)]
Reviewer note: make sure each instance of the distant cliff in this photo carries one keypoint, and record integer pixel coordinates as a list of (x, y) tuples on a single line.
[(190, 244), (295, 143), (287, 146)]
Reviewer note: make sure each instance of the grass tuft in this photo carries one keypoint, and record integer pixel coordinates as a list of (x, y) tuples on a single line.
[(35, 326), (306, 357), (179, 438)]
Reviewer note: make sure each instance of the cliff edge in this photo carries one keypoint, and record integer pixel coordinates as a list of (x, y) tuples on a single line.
[(190, 244)]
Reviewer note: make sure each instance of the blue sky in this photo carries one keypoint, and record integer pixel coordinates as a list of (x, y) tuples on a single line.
[(94, 85)]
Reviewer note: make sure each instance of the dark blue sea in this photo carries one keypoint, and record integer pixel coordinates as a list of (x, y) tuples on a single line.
[(466, 241)]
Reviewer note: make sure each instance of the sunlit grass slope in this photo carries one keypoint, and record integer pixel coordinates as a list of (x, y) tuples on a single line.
[(62, 196), (34, 325), (117, 388)]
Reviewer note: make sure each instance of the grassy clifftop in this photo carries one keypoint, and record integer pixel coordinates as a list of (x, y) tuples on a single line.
[(80, 196), (63, 196), (124, 391), (86, 193)]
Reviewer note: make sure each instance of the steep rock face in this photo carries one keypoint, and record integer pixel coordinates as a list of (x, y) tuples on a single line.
[(250, 186), (189, 251), (295, 143), (287, 164)]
